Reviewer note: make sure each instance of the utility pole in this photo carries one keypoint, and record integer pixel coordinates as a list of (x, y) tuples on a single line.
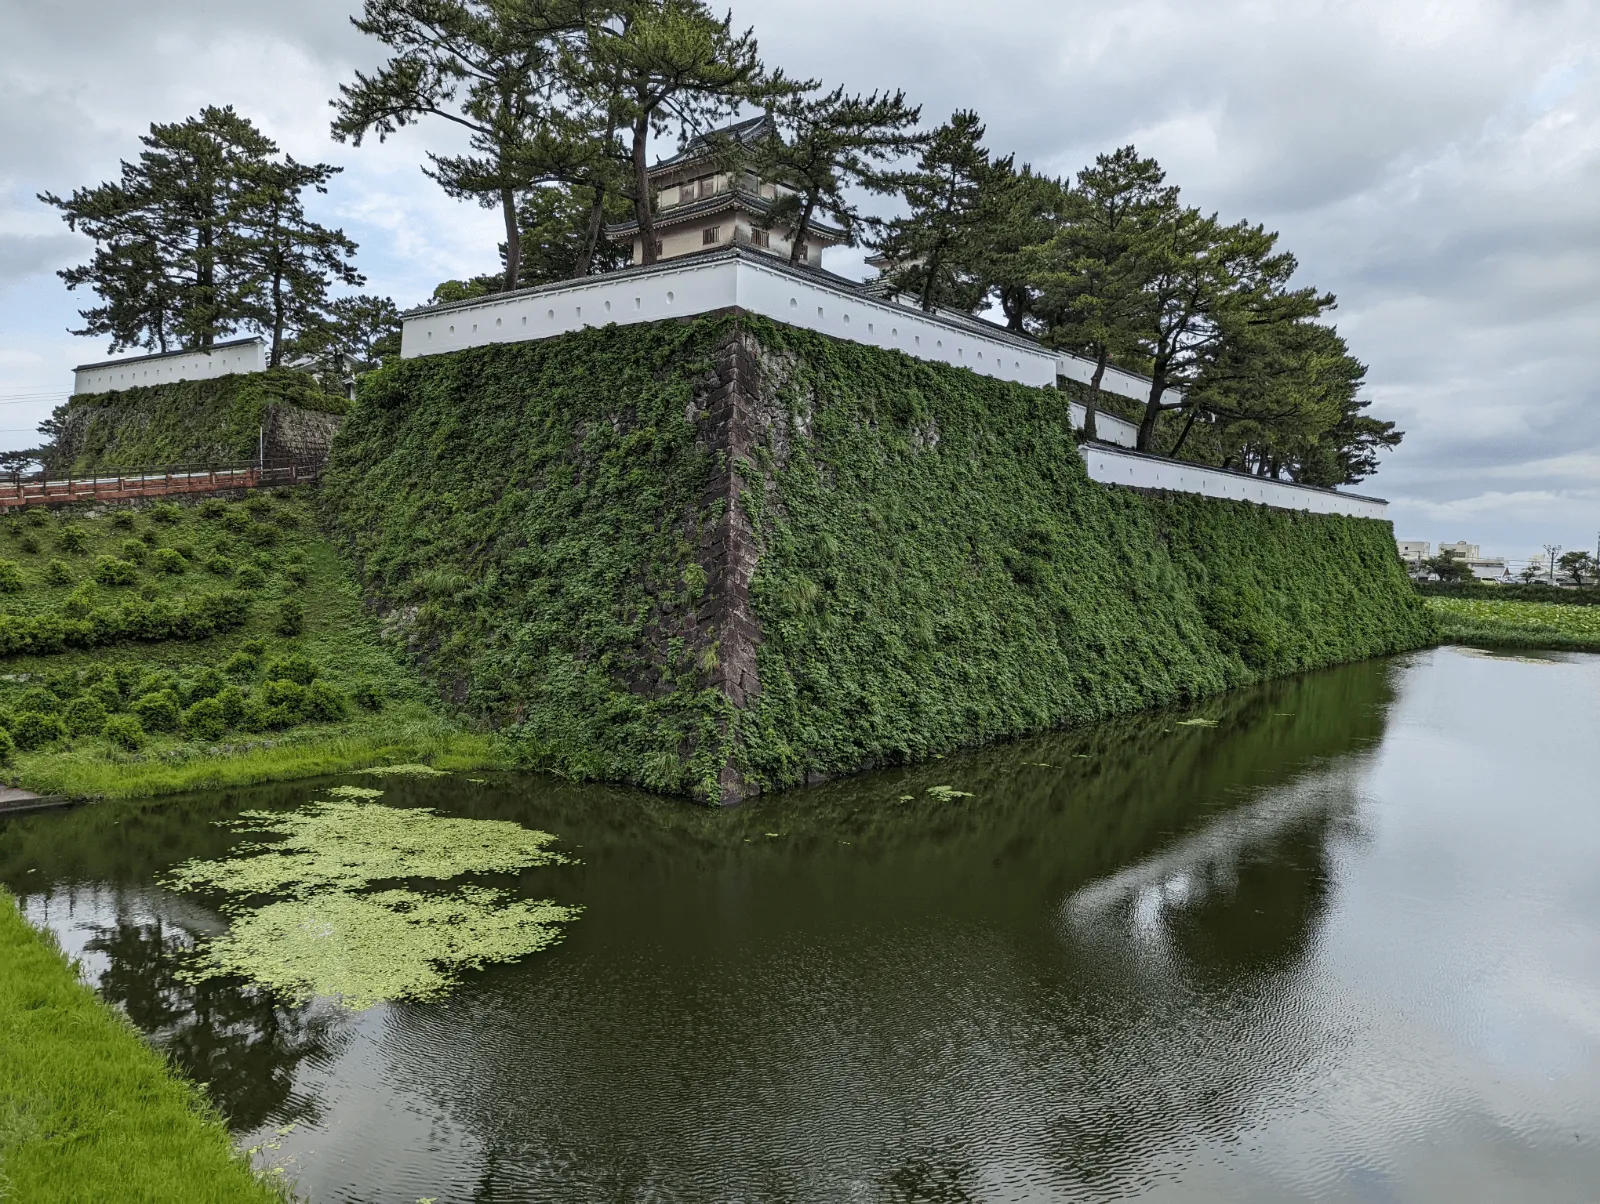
[(1550, 550)]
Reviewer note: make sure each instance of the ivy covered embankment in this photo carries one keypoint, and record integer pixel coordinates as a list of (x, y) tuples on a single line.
[(192, 422), (727, 556)]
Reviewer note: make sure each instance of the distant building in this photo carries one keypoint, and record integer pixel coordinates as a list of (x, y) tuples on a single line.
[(703, 206), (1414, 551)]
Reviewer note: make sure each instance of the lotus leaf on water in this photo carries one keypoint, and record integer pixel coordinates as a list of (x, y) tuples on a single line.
[(355, 792), (948, 794)]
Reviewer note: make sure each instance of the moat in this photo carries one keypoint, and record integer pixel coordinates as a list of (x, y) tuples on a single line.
[(1332, 938)]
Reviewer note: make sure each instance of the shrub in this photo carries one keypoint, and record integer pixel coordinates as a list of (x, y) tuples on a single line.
[(74, 539), (241, 664), (288, 697), (324, 704), (207, 683), (11, 580), (212, 507), (57, 573), (265, 534), (169, 560), (291, 618), (295, 572), (8, 747), (106, 694), (219, 564), (85, 716), (287, 519), (127, 676), (230, 699), (125, 731), (39, 699), (263, 561), (205, 720), (32, 730), (295, 667), (108, 570), (158, 712), (79, 602), (28, 544), (186, 550), (255, 646), (237, 520), (122, 520), (149, 591), (250, 578), (37, 517), (149, 538), (153, 681), (258, 505), (367, 696), (134, 550), (165, 512)]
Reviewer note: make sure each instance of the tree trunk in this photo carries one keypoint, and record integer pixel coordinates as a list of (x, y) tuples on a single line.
[(591, 240), (508, 202), (642, 208), (277, 318), (929, 269), (1194, 413), (1152, 408), (1092, 406), (797, 236)]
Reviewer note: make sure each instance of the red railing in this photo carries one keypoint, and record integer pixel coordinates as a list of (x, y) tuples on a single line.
[(43, 490)]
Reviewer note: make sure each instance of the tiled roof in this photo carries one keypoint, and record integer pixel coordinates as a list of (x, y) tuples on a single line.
[(716, 203)]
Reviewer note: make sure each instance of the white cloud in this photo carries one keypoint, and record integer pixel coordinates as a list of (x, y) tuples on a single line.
[(1435, 165)]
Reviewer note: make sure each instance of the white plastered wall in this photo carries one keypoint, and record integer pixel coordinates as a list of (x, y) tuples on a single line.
[(137, 370), (1113, 466)]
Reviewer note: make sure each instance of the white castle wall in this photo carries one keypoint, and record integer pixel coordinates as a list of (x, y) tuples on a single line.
[(749, 280), (757, 283), (240, 355), (1116, 466)]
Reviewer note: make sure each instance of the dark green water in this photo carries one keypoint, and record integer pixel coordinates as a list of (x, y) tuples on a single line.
[(1344, 945)]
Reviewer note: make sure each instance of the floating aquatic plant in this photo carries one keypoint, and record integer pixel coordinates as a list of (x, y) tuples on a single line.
[(406, 771), (324, 934), (343, 845), (1197, 723), (373, 948), (948, 794)]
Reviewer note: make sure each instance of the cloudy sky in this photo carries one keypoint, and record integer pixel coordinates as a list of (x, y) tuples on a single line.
[(1437, 165)]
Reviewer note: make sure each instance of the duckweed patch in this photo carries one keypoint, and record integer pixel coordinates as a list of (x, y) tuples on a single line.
[(321, 933), (405, 771), (370, 949)]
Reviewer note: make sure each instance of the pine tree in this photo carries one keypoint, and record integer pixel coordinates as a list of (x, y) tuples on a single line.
[(932, 249), (291, 259), (166, 264), (1093, 272), (491, 67), (653, 64), (825, 144)]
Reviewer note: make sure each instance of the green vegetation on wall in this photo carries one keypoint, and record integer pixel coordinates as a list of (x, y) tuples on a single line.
[(192, 422), (934, 567)]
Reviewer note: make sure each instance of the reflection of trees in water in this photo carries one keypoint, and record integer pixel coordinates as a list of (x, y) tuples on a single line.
[(1207, 945), (241, 1042)]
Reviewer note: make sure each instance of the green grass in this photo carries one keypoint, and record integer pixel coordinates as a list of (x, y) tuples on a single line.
[(1517, 624), (267, 547), (88, 1111)]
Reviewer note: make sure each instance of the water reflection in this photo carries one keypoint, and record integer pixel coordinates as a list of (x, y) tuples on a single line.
[(1341, 945)]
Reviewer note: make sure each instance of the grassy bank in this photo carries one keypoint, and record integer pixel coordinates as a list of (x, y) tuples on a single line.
[(1517, 624), (176, 647), (88, 1111), (932, 567)]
